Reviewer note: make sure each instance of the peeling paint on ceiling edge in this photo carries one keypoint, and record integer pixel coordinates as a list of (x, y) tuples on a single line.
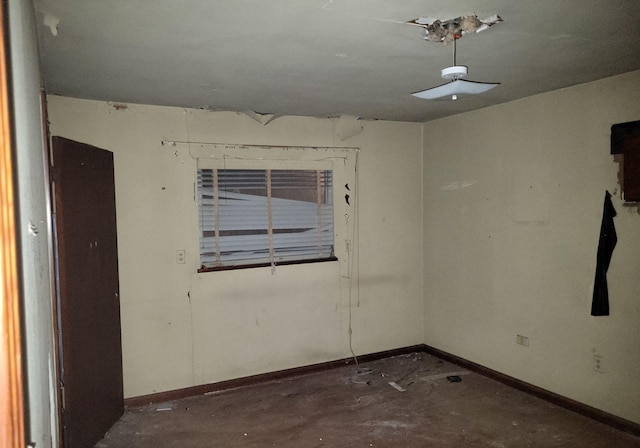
[(348, 126), (263, 119), (52, 22)]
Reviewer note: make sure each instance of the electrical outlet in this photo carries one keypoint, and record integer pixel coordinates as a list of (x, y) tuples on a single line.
[(347, 245), (181, 256), (598, 363), (522, 340)]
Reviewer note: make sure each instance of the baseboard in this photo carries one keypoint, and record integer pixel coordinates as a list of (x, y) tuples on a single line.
[(558, 400), (262, 378)]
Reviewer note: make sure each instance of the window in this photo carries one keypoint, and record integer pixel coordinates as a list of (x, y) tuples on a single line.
[(255, 217)]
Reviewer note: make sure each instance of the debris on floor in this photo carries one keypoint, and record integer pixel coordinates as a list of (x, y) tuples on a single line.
[(360, 373), (396, 386), (441, 376), (297, 412)]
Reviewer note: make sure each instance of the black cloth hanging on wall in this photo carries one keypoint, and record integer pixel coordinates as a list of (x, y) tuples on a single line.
[(606, 244)]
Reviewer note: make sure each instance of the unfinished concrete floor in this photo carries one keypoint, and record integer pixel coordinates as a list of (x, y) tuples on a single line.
[(346, 407)]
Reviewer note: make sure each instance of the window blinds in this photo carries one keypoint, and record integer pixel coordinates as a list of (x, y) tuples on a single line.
[(264, 216)]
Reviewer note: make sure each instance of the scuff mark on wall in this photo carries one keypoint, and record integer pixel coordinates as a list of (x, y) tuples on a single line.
[(460, 185), (533, 223), (119, 106)]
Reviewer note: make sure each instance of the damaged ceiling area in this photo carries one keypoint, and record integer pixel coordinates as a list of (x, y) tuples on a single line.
[(447, 31), (328, 58)]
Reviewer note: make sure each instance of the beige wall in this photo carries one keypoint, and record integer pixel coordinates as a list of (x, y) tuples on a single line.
[(512, 201), (513, 198), (181, 328)]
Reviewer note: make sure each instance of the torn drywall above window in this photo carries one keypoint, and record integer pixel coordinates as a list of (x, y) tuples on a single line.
[(348, 126), (263, 119), (446, 31)]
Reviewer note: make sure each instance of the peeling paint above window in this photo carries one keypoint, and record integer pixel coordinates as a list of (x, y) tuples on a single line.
[(446, 31)]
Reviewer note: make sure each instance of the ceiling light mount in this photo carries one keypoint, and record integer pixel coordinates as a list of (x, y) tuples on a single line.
[(454, 72)]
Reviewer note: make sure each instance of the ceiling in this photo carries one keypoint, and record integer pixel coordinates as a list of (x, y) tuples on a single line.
[(325, 58)]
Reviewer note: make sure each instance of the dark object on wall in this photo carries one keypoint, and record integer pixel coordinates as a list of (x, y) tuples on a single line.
[(625, 140), (606, 244), (454, 379)]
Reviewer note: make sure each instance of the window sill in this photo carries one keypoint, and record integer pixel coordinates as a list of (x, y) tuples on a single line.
[(264, 265)]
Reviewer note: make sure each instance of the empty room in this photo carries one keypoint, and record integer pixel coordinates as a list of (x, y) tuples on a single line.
[(319, 223)]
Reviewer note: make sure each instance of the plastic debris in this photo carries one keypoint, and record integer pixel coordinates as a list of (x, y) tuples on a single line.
[(441, 376)]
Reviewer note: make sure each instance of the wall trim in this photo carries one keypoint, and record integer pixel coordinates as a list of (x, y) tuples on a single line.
[(263, 377), (556, 399)]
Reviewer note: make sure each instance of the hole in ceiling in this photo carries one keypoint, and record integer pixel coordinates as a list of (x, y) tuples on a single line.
[(437, 30)]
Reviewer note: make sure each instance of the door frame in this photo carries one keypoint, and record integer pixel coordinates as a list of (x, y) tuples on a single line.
[(11, 387)]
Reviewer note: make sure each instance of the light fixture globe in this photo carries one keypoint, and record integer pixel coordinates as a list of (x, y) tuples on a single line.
[(455, 89)]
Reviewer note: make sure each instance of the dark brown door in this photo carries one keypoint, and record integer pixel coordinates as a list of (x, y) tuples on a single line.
[(88, 303)]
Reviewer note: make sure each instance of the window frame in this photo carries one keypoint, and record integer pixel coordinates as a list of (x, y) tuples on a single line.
[(342, 160), (273, 258)]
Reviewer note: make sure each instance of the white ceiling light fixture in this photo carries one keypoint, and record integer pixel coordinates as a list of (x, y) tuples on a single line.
[(457, 87)]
